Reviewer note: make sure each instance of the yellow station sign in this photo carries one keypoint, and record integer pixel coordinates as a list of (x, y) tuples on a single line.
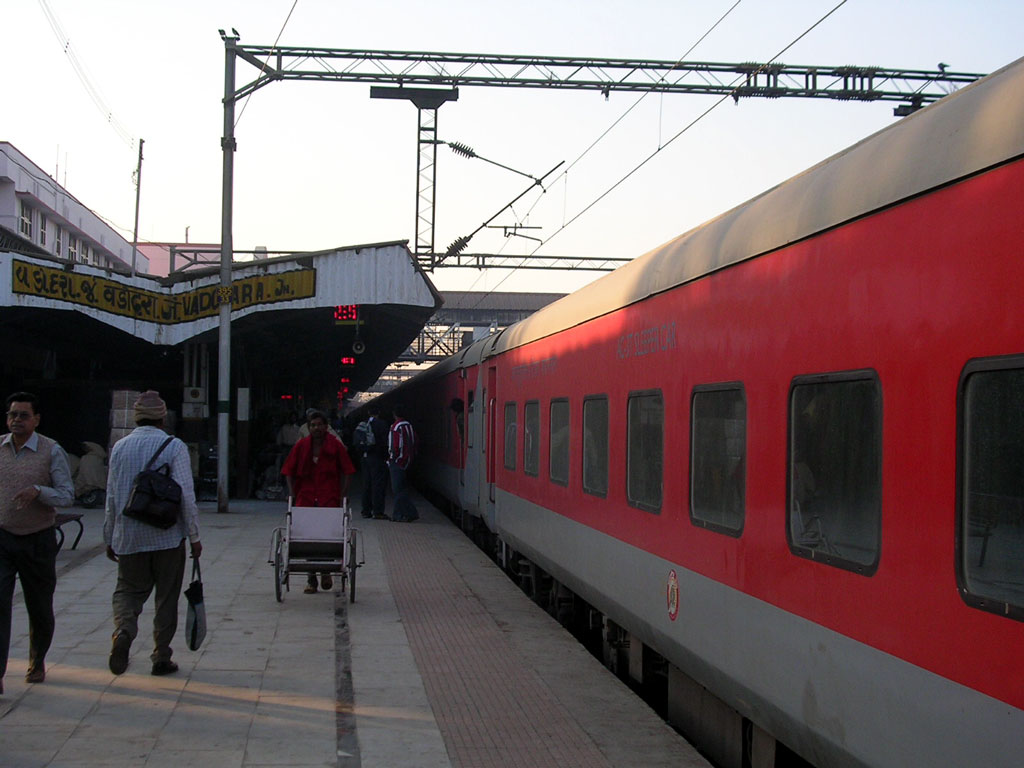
[(155, 306)]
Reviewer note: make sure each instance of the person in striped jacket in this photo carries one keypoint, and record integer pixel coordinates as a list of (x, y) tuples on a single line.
[(401, 447)]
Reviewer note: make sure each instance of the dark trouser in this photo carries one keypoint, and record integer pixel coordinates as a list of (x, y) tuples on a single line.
[(375, 483), (137, 575), (404, 508), (33, 559)]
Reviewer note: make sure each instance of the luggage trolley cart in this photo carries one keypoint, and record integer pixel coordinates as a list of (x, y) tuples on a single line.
[(315, 540)]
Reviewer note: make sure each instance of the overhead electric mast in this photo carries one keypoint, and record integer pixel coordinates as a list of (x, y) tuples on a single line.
[(912, 87), (413, 75)]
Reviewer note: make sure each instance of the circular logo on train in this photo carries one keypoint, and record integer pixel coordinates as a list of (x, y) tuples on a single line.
[(672, 595)]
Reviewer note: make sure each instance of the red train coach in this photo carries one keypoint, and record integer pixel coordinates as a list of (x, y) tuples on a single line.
[(786, 450)]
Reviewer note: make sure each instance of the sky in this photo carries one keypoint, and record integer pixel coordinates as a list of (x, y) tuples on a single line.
[(321, 165)]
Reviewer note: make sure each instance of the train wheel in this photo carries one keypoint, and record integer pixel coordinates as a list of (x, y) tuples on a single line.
[(352, 565)]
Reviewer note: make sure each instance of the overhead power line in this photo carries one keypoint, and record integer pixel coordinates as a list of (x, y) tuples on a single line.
[(276, 41), (687, 127), (727, 95), (83, 76)]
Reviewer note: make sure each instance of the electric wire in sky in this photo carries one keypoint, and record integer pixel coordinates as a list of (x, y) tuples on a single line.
[(565, 173), (647, 159), (276, 41), (685, 128), (83, 76)]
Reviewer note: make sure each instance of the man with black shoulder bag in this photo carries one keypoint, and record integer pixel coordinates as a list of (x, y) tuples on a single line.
[(145, 531)]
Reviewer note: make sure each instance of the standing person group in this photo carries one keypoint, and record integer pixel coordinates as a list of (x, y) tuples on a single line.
[(35, 477), (401, 447), (148, 558), (372, 442), (318, 473)]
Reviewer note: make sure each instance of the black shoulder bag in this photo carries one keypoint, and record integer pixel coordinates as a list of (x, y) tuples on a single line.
[(155, 498)]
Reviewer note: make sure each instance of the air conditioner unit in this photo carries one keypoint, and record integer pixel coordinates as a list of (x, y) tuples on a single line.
[(195, 395)]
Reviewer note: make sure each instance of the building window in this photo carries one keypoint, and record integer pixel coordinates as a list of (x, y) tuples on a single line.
[(645, 419), (72, 248), (595, 445), (25, 221), (990, 504), (42, 229), (558, 446), (718, 450), (531, 438), (58, 240), (835, 469), (510, 435), (85, 253)]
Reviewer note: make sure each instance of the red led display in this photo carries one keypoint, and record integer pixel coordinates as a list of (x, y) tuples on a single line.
[(346, 313)]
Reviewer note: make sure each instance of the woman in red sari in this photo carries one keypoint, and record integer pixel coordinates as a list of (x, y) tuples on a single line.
[(318, 470)]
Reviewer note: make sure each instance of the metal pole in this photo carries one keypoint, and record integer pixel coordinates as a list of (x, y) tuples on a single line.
[(138, 194), (226, 249)]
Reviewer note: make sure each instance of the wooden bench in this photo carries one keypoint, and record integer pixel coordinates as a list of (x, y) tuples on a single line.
[(68, 517)]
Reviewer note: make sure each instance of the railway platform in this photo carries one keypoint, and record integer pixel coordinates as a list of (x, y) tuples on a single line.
[(441, 661)]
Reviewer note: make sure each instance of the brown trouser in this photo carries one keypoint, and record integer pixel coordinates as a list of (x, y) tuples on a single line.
[(137, 575)]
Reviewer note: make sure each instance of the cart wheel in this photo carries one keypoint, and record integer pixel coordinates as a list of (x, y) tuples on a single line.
[(279, 577), (352, 565)]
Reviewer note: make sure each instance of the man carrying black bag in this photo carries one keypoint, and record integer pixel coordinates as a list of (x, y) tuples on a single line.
[(148, 557)]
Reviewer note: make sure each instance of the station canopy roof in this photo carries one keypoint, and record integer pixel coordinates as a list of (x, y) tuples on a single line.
[(299, 323)]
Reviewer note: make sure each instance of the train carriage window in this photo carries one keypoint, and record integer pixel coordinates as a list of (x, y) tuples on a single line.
[(595, 445), (644, 448), (990, 509), (718, 450), (510, 435), (558, 448), (835, 469), (531, 438)]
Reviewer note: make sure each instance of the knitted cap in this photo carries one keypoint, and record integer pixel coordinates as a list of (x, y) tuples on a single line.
[(150, 406)]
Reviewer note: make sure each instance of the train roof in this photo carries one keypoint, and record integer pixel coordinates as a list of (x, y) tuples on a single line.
[(974, 129)]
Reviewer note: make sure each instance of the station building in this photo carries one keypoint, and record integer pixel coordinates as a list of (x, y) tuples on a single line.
[(38, 214)]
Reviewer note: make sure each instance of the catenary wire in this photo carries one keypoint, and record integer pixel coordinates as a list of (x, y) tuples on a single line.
[(79, 68), (647, 159), (565, 173), (263, 68), (687, 127)]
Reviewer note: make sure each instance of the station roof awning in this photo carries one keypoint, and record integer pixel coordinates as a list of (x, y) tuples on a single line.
[(298, 323)]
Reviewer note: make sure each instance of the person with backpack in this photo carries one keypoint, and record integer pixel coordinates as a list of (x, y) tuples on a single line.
[(149, 559), (401, 448), (371, 439)]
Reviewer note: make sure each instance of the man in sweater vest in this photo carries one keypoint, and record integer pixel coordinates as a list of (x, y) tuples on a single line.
[(35, 477)]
